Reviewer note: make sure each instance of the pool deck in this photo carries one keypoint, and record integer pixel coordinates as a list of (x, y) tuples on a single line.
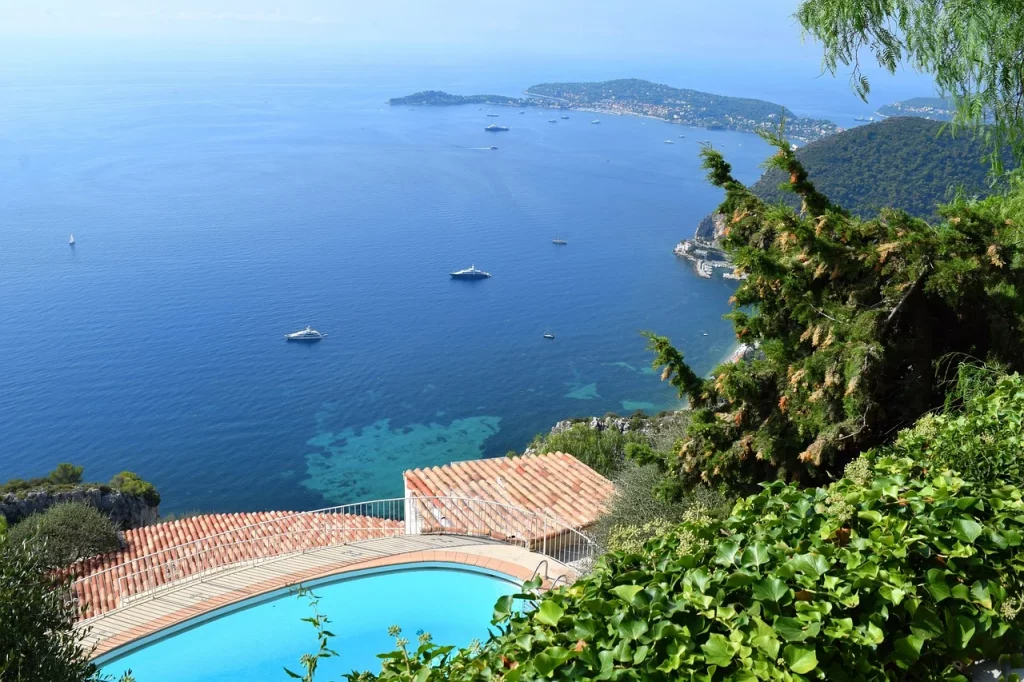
[(147, 614)]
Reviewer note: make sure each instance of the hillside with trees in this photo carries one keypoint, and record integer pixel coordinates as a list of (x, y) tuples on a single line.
[(905, 163)]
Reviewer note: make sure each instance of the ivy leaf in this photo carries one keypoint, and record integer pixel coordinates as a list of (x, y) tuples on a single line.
[(755, 555), (549, 613), (979, 591), (906, 650), (967, 530), (502, 608), (632, 628), (793, 630), (926, 623), (627, 592), (717, 650), (800, 658), (726, 553), (937, 586), (961, 632), (772, 589), (546, 661)]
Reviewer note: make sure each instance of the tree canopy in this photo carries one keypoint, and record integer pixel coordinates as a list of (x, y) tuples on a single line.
[(853, 319), (974, 48), (903, 163)]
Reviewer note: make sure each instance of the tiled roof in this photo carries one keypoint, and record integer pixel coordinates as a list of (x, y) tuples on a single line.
[(555, 484), (158, 554)]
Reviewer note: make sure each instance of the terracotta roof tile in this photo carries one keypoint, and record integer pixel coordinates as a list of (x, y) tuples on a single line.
[(225, 539), (555, 484)]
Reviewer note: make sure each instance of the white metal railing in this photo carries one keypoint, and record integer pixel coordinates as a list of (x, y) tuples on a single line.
[(331, 527)]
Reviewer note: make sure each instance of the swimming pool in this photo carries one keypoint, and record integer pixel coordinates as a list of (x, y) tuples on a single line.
[(254, 641)]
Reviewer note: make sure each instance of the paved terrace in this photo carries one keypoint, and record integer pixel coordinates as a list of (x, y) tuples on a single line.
[(148, 614)]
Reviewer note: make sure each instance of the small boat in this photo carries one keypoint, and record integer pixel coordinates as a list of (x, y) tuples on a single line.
[(565, 118), (71, 240), (559, 241), (669, 142), (595, 122), (522, 112), (307, 334), (495, 128), (552, 120), (682, 136), (470, 273), (492, 116), (548, 335), (493, 147)]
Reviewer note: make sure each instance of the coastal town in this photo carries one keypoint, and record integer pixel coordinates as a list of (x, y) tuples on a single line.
[(633, 97), (706, 257)]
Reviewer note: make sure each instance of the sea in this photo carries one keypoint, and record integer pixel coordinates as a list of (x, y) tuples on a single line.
[(217, 206)]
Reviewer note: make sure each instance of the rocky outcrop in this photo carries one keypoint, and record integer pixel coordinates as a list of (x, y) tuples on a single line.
[(711, 228), (125, 510)]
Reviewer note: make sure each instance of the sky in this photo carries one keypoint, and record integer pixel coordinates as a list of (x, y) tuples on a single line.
[(686, 43), (679, 28)]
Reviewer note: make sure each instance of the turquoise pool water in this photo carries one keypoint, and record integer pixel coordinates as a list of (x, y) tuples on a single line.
[(255, 642)]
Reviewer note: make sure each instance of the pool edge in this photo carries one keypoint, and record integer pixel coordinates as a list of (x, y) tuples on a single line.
[(248, 601)]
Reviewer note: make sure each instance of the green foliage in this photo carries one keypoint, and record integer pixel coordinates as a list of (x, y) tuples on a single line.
[(909, 164), (65, 533), (131, 484), (37, 637), (972, 47), (895, 572), (982, 437), (66, 474), (603, 450), (636, 514), (311, 661), (3, 528), (853, 318), (69, 477)]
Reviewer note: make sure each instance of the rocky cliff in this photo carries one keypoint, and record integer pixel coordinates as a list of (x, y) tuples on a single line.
[(711, 228), (125, 510)]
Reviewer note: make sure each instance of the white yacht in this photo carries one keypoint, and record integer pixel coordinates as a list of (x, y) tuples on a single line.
[(558, 240), (307, 334), (548, 335), (470, 273), (596, 122), (71, 240), (669, 142)]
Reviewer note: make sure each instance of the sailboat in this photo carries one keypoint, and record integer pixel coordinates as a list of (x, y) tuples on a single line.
[(558, 240), (548, 334), (71, 240)]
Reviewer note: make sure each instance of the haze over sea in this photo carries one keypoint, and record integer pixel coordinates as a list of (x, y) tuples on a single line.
[(216, 208)]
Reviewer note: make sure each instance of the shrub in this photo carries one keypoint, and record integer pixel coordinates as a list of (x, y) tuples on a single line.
[(982, 437), (635, 514), (131, 484), (66, 474), (603, 450), (65, 533), (38, 640)]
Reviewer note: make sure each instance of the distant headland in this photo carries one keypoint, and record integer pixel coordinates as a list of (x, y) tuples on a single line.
[(644, 98)]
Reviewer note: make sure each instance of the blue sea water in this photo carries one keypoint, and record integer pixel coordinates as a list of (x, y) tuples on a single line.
[(217, 209)]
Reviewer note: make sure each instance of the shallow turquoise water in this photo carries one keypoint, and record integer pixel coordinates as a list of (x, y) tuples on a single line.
[(255, 643)]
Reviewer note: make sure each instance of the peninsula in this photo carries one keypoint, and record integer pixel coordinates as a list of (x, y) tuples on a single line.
[(934, 108), (644, 98)]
